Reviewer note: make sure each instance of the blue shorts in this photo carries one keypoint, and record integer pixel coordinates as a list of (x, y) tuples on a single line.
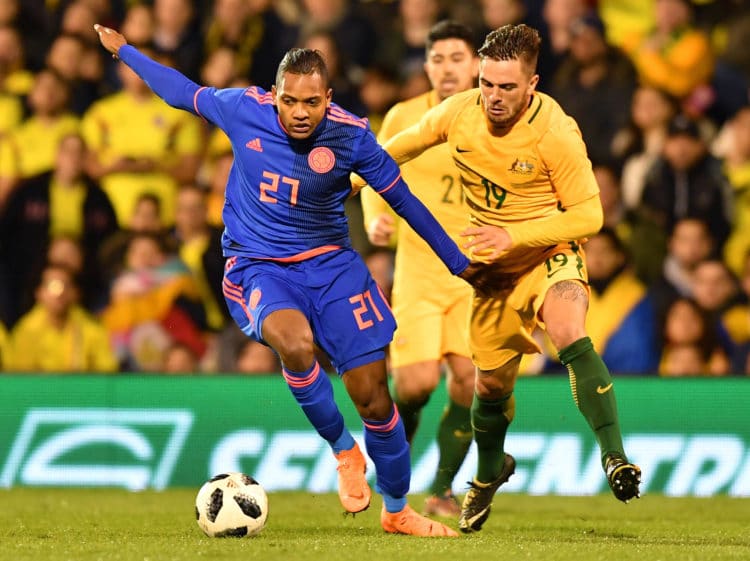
[(350, 318)]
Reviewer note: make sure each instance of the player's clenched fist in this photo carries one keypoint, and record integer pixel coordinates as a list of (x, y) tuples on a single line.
[(110, 39), (380, 230)]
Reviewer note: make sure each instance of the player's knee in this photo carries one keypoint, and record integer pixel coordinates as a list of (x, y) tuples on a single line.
[(376, 406), (497, 383), (461, 391), (563, 334), (411, 391), (294, 347)]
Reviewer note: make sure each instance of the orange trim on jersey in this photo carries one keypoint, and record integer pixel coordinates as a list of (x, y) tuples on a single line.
[(263, 99), (390, 425), (390, 186), (347, 120), (339, 112), (304, 255), (195, 101), (295, 382)]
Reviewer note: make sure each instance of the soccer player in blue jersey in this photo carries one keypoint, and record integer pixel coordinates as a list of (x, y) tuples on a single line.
[(292, 279)]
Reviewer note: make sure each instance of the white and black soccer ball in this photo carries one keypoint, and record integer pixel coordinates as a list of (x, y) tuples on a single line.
[(231, 504)]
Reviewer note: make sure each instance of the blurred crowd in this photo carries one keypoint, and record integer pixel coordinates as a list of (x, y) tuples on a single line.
[(110, 201)]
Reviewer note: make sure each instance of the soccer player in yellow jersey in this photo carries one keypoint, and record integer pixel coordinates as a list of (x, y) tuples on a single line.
[(531, 196), (430, 306)]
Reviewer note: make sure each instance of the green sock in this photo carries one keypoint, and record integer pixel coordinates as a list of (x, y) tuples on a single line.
[(592, 390), (410, 412), (490, 420), (453, 438)]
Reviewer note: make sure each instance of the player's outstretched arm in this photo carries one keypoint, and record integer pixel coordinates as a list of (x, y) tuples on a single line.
[(169, 84)]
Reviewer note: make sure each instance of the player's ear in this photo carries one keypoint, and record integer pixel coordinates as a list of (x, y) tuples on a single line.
[(533, 82), (475, 67), (273, 93), (329, 96)]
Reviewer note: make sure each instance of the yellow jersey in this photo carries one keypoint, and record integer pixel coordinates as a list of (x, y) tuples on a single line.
[(82, 345), (524, 181), (31, 147), (121, 126), (433, 179)]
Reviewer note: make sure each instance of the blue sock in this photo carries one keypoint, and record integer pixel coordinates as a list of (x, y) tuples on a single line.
[(313, 391), (387, 446)]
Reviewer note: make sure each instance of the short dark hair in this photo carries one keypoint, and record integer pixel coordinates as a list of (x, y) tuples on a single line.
[(302, 61), (511, 42), (450, 29)]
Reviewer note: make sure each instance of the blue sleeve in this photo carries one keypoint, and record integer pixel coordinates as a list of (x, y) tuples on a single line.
[(169, 84), (381, 172), (179, 91)]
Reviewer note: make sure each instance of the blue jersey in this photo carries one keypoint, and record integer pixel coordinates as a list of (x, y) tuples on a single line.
[(285, 197)]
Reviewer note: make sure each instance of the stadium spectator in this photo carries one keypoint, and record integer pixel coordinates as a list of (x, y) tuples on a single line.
[(686, 324), (17, 79), (138, 24), (684, 182), (140, 145), (256, 358), (686, 359), (81, 66), (58, 335), (689, 243), (354, 33), (31, 147), (403, 46), (557, 18), (176, 35), (674, 55), (154, 302), (593, 82), (180, 358), (638, 144), (60, 203), (715, 288), (220, 69), (235, 24), (199, 247), (379, 91), (307, 268)]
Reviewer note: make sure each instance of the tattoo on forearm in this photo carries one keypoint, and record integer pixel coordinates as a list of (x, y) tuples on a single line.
[(570, 290)]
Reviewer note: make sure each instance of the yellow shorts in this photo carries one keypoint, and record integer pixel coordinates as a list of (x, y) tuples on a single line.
[(501, 329), (430, 324)]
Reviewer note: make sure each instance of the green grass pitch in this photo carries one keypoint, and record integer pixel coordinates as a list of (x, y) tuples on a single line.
[(115, 525)]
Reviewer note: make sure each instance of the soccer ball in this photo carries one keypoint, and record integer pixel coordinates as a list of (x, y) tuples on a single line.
[(231, 504)]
